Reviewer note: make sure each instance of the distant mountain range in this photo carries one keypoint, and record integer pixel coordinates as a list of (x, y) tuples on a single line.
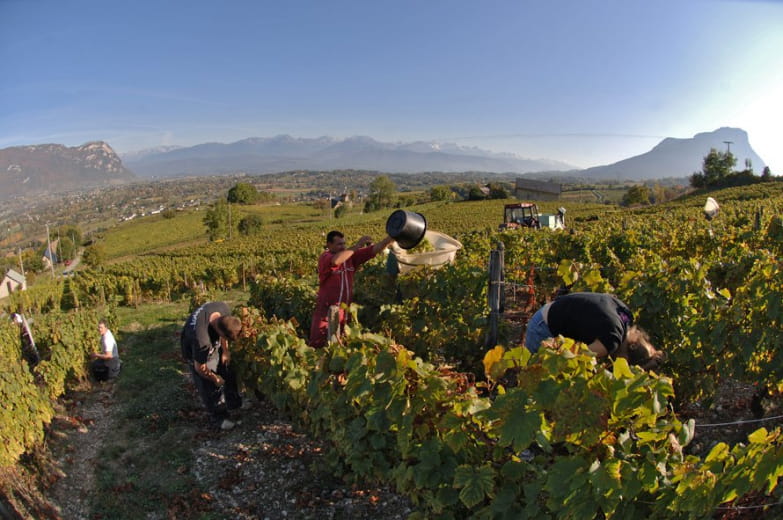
[(50, 168), (27, 170), (679, 157), (670, 158), (284, 153)]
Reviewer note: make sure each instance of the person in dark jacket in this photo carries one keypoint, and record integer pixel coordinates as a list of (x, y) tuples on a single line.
[(205, 338), (601, 321)]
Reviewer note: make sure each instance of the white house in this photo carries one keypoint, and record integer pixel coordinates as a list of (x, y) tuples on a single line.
[(12, 281)]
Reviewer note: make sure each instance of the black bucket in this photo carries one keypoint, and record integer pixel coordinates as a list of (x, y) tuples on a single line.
[(406, 227)]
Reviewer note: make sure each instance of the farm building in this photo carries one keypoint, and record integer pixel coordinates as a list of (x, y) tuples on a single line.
[(529, 189), (12, 281), (49, 258)]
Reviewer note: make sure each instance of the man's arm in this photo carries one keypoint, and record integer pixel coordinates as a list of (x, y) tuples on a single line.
[(225, 356), (383, 244), (342, 256), (366, 253), (205, 373), (598, 348)]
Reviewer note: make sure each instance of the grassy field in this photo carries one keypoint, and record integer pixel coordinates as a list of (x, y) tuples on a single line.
[(613, 195), (155, 232), (149, 233)]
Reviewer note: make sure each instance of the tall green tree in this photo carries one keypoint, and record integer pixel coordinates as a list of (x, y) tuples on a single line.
[(243, 193), (251, 225), (66, 248), (68, 239), (440, 193), (94, 255), (636, 195), (32, 260), (717, 167), (497, 191), (383, 194), (216, 220), (475, 193), (72, 232)]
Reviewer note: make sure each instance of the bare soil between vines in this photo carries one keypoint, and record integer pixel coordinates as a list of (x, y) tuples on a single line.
[(262, 469)]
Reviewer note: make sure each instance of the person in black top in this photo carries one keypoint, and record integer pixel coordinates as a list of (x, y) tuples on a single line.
[(205, 338), (601, 321)]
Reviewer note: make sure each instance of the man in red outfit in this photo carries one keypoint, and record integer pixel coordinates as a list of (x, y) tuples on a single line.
[(336, 268)]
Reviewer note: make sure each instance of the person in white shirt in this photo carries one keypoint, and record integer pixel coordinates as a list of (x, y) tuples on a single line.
[(106, 364)]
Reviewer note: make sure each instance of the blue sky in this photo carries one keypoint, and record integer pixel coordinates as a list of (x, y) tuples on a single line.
[(583, 82)]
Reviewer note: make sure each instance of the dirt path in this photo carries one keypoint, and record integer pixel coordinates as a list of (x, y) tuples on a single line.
[(76, 435), (265, 469)]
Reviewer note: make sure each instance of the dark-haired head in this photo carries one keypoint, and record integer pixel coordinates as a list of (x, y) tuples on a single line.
[(332, 235), (638, 350), (229, 327)]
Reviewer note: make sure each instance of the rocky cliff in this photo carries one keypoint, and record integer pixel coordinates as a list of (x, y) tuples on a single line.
[(52, 168)]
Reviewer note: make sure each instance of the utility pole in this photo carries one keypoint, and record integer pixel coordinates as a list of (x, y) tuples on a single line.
[(21, 264), (51, 254), (229, 221), (728, 145)]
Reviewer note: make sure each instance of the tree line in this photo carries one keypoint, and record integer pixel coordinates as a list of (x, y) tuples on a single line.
[(718, 171)]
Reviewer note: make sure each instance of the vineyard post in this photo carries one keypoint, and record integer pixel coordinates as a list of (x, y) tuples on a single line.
[(229, 221), (495, 293), (502, 289)]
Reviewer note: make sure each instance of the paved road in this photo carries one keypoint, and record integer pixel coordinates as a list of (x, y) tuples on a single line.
[(75, 262)]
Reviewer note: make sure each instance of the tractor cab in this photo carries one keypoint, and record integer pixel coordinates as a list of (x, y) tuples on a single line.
[(522, 214), (526, 215)]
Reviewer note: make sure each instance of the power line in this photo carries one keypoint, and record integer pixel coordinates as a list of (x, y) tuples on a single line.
[(759, 506), (749, 421), (728, 508)]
